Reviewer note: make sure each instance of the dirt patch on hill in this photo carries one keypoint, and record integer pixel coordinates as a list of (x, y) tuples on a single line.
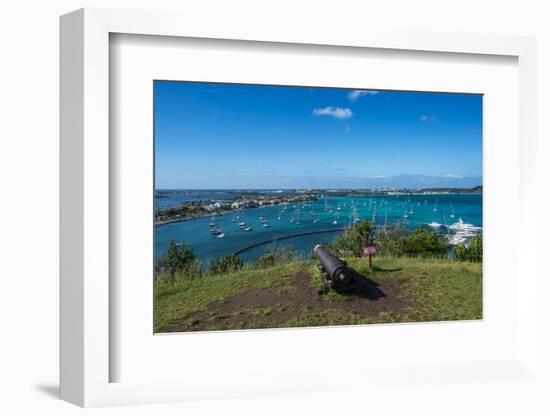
[(298, 305)]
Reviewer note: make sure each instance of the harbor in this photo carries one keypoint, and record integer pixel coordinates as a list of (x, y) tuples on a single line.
[(301, 224)]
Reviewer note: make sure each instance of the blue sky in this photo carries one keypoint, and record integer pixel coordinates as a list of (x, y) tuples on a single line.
[(245, 136)]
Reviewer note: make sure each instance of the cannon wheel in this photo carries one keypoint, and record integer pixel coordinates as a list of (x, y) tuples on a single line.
[(325, 287)]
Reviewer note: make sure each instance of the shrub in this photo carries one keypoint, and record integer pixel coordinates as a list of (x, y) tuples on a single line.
[(265, 261), (418, 243), (422, 242), (351, 242), (227, 264), (179, 261), (472, 252), (276, 255), (390, 241)]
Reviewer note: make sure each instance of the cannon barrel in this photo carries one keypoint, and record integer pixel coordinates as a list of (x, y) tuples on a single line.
[(336, 270)]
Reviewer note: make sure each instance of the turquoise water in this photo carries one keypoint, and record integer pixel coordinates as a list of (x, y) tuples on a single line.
[(409, 211)]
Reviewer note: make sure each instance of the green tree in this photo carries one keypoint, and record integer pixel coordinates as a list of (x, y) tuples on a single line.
[(391, 241), (421, 242), (351, 242), (178, 261)]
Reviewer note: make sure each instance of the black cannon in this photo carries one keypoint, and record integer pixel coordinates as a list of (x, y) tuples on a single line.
[(337, 274)]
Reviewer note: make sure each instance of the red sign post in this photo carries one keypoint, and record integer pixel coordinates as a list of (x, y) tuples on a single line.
[(369, 251)]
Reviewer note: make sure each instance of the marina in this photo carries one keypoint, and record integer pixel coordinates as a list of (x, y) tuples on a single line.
[(302, 225)]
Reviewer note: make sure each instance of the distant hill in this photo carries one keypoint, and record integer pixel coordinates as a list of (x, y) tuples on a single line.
[(335, 182), (475, 190)]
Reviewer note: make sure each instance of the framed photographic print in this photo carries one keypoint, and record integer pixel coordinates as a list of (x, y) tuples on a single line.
[(248, 215), (267, 199)]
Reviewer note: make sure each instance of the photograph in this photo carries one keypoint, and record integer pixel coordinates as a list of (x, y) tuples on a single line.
[(305, 206)]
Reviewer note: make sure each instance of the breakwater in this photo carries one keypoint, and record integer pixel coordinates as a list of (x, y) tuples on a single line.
[(286, 237)]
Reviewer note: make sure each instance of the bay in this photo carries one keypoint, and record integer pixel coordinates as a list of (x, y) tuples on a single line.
[(325, 217)]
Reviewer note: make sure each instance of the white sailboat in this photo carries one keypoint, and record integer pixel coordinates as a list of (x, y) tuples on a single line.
[(314, 217), (356, 218)]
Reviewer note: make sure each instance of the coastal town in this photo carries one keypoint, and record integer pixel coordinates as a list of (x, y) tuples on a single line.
[(197, 209)]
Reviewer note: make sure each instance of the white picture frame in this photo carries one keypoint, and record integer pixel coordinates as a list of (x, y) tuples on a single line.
[(86, 356)]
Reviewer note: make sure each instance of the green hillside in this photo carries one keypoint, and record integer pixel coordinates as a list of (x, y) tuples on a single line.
[(404, 290)]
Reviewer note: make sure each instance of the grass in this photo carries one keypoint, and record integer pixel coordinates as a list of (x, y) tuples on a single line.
[(417, 290), (443, 289), (194, 295)]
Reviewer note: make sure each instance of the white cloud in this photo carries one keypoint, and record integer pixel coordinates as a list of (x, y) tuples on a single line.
[(426, 117), (356, 94), (450, 175), (336, 112)]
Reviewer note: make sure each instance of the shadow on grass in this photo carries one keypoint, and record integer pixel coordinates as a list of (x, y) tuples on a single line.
[(382, 270), (364, 287)]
